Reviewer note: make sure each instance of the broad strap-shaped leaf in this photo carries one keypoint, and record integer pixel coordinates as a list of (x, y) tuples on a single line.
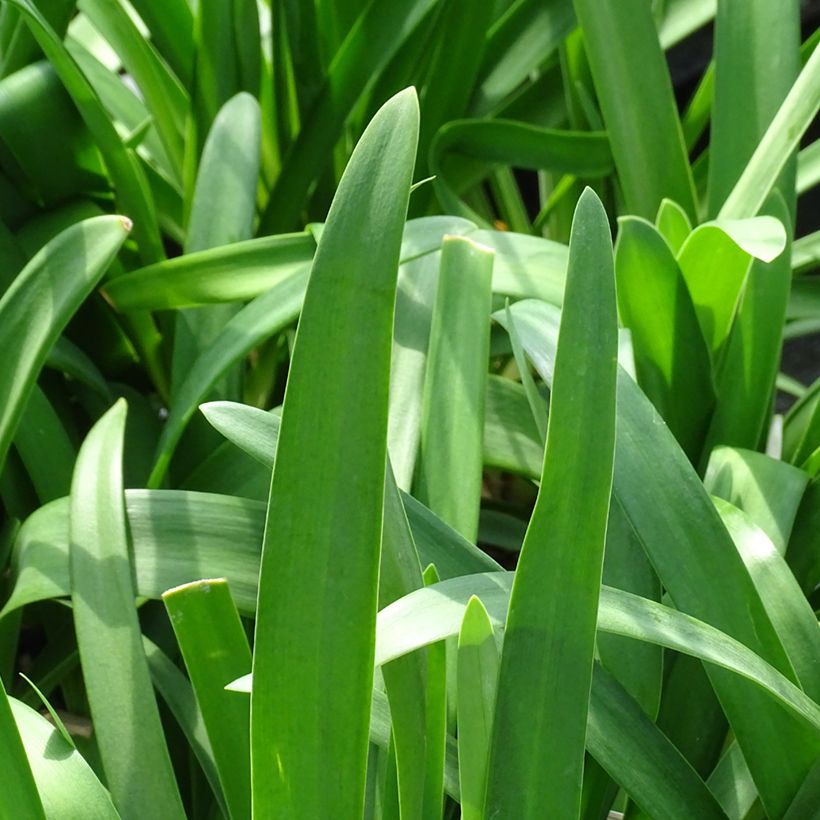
[(123, 706), (215, 648), (537, 755), (66, 783), (768, 490), (320, 511), (671, 356), (745, 382), (435, 613), (449, 470), (40, 303), (670, 511), (673, 224), (715, 260), (20, 794), (222, 212), (635, 93), (478, 661), (775, 148), (516, 144), (791, 615), (640, 758), (757, 58)]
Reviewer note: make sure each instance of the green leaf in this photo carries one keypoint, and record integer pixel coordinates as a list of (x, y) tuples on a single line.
[(222, 213), (41, 301), (226, 274), (175, 689), (641, 758), (715, 260), (415, 295), (757, 59), (538, 406), (454, 66), (808, 168), (524, 37), (782, 137), (435, 733), (803, 555), (123, 707), (806, 801), (256, 322), (682, 17), (45, 448), (180, 536), (478, 661), (638, 667), (215, 648), (536, 762), (455, 386), (164, 97), (732, 784), (673, 224), (517, 144), (335, 414), (790, 613), (67, 785), (671, 356), (367, 48), (171, 26), (227, 60), (636, 98), (801, 429), (670, 511), (20, 795), (247, 269), (34, 108), (258, 433), (400, 573), (746, 381), (133, 196), (768, 490), (435, 613)]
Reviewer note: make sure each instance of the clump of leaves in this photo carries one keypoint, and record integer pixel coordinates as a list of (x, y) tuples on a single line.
[(251, 568)]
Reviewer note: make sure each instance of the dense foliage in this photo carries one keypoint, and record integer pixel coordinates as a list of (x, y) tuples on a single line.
[(508, 526)]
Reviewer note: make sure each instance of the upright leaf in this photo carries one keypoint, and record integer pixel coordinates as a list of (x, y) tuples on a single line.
[(782, 137), (326, 501), (635, 93), (477, 681), (450, 468), (222, 212), (123, 706), (537, 754), (671, 356), (215, 649), (757, 58)]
